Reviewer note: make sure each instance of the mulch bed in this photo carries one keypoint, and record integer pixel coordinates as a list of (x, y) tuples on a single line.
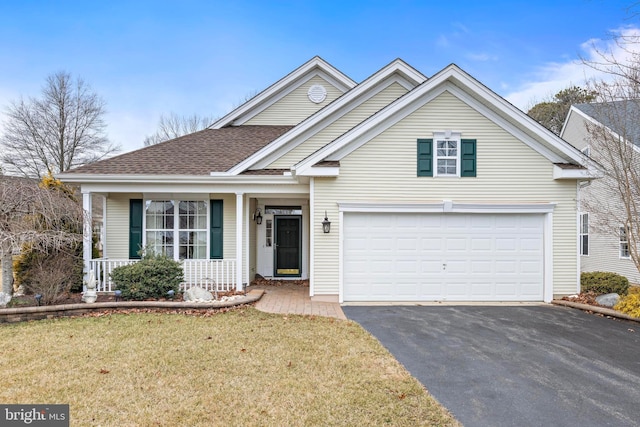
[(76, 298), (584, 298)]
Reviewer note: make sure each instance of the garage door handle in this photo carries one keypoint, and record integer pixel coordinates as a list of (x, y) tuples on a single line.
[(444, 266)]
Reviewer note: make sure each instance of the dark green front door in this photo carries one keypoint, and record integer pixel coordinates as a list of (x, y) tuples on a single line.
[(288, 241)]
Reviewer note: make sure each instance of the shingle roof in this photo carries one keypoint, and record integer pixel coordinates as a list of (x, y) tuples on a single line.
[(619, 116), (199, 153)]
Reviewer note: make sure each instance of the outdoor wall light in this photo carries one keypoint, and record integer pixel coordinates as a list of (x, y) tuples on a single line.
[(326, 224), (38, 298), (257, 216), (118, 294), (171, 293)]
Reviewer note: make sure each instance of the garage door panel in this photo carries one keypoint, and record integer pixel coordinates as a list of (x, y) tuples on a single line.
[(461, 257), (531, 244), (507, 244), (431, 244), (407, 243), (459, 244), (481, 244), (483, 266), (430, 268), (453, 267)]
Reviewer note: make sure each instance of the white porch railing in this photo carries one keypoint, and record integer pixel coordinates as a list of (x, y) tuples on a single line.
[(210, 274)]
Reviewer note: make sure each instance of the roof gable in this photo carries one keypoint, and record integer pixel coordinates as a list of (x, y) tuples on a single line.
[(619, 117), (397, 71), (469, 90), (315, 67)]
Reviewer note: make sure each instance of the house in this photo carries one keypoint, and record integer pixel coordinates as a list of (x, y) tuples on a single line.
[(397, 188), (604, 244)]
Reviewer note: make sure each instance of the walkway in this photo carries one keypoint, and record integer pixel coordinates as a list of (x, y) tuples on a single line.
[(294, 299)]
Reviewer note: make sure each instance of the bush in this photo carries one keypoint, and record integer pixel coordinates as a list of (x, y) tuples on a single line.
[(151, 277), (629, 304), (51, 274), (604, 283)]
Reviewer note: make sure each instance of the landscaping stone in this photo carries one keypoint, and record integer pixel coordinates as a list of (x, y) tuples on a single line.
[(197, 294), (608, 300), (4, 299)]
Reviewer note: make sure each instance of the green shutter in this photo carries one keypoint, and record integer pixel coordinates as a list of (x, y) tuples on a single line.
[(468, 157), (425, 157), (135, 228), (215, 230)]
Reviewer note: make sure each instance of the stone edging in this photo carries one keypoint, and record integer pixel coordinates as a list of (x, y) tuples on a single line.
[(19, 314), (600, 310)]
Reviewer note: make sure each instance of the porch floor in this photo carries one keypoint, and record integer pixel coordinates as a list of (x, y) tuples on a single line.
[(295, 299)]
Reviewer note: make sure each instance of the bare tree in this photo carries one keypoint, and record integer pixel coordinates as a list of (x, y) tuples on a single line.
[(614, 200), (30, 214), (614, 141), (61, 129), (173, 126)]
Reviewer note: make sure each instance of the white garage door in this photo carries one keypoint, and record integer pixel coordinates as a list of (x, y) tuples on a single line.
[(442, 257)]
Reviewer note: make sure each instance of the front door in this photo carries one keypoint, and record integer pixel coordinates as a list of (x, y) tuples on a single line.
[(288, 242)]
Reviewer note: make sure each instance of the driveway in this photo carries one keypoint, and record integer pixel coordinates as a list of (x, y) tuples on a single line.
[(516, 366)]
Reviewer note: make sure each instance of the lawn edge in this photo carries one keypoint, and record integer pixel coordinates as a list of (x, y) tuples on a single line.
[(600, 310), (15, 313)]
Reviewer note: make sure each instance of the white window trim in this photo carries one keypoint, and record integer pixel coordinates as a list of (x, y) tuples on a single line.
[(176, 224), (447, 135), (621, 242), (581, 234)]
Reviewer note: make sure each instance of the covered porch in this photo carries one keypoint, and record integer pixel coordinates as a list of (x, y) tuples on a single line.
[(223, 235)]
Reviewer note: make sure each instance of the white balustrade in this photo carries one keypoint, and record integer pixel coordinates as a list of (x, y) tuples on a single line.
[(210, 274)]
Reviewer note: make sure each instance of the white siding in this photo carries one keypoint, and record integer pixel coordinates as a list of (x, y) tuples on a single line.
[(340, 126), (606, 211), (385, 169), (117, 233), (606, 215), (295, 106), (604, 255), (575, 131), (228, 224)]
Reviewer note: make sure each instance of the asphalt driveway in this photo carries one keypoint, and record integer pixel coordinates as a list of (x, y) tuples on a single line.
[(516, 366)]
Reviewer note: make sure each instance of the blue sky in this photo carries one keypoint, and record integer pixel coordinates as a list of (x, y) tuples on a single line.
[(146, 58)]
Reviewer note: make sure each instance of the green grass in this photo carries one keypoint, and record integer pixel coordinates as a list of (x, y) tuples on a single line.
[(242, 367)]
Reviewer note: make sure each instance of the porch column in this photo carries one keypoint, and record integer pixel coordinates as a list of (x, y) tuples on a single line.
[(239, 248), (87, 232)]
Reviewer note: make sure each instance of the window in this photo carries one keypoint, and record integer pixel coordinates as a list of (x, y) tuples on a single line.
[(584, 234), (447, 155), (190, 228), (192, 231), (159, 230), (624, 243)]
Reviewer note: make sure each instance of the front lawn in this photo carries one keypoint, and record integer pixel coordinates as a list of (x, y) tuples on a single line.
[(242, 367)]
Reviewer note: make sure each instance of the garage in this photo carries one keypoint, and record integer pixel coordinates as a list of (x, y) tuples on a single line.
[(443, 256)]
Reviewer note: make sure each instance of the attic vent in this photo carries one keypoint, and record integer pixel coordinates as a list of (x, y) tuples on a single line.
[(317, 94)]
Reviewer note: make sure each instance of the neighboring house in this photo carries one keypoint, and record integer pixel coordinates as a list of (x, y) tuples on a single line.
[(399, 188), (603, 239)]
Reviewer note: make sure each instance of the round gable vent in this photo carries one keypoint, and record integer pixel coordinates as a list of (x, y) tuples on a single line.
[(317, 94)]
